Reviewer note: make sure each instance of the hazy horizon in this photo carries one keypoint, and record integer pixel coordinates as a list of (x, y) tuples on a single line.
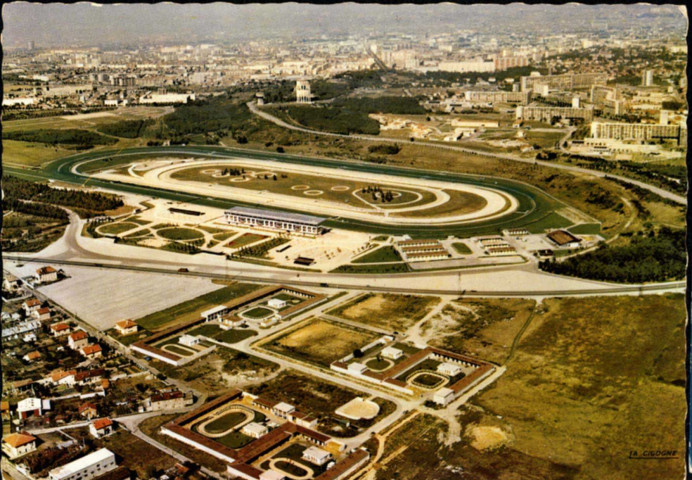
[(85, 24)]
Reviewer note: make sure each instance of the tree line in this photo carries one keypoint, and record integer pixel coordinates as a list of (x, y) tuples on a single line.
[(83, 138), (649, 257), (18, 190)]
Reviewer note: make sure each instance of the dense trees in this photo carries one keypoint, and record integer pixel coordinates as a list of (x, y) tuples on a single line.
[(126, 128), (649, 257), (80, 138), (213, 115), (18, 192)]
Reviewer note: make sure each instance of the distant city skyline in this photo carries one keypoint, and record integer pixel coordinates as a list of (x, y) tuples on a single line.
[(84, 24)]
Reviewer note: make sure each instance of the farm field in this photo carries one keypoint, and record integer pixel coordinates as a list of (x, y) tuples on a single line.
[(384, 310), (319, 342)]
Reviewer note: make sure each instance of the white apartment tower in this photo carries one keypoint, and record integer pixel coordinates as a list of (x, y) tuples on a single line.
[(303, 94), (647, 78)]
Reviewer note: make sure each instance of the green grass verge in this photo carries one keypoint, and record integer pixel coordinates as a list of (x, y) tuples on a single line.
[(192, 309), (382, 254)]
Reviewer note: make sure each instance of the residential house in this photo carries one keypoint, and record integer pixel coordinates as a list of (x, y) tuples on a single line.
[(88, 410), (126, 327), (101, 427), (165, 401), (91, 351), (41, 314), (46, 275), (16, 445), (60, 329), (32, 356), (78, 339)]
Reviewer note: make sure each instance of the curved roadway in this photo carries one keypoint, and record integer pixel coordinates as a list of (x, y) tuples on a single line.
[(523, 280), (502, 156)]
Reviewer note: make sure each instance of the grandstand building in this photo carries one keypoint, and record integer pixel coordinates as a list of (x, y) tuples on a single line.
[(274, 220)]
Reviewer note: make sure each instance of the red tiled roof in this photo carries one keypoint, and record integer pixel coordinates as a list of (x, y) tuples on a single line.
[(91, 349), (44, 270), (86, 406), (18, 439), (79, 335), (102, 423), (43, 310), (126, 324), (33, 302), (59, 327)]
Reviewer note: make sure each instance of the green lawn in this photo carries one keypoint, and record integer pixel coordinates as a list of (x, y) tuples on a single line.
[(207, 330), (234, 336), (461, 248), (116, 228), (192, 309), (225, 422), (177, 233), (381, 254), (387, 268), (245, 239), (173, 348), (586, 229), (551, 221), (258, 312)]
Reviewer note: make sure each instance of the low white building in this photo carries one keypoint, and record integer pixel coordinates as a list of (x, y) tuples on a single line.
[(316, 455), (188, 340), (356, 367), (449, 369), (392, 353), (254, 430), (32, 406), (90, 466), (443, 396), (276, 303)]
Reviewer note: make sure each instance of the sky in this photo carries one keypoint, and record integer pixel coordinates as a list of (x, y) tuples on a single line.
[(81, 24)]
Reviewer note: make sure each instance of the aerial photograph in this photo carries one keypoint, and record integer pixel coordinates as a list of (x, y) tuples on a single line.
[(344, 241)]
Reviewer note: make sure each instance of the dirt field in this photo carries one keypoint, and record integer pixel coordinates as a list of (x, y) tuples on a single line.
[(588, 403), (320, 342), (483, 327), (388, 311), (220, 370)]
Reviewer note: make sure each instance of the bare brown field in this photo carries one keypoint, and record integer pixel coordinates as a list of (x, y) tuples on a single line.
[(320, 342), (482, 327), (389, 311)]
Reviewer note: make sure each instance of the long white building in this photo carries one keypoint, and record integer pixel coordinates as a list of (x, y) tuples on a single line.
[(638, 131), (274, 220), (90, 466)]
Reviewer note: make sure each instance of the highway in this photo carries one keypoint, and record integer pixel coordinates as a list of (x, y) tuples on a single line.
[(501, 156)]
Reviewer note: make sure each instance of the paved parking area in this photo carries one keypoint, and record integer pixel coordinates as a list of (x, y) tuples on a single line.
[(102, 297)]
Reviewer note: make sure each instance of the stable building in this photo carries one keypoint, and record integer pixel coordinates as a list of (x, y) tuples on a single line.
[(275, 220), (90, 466), (316, 455), (564, 239), (254, 430)]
